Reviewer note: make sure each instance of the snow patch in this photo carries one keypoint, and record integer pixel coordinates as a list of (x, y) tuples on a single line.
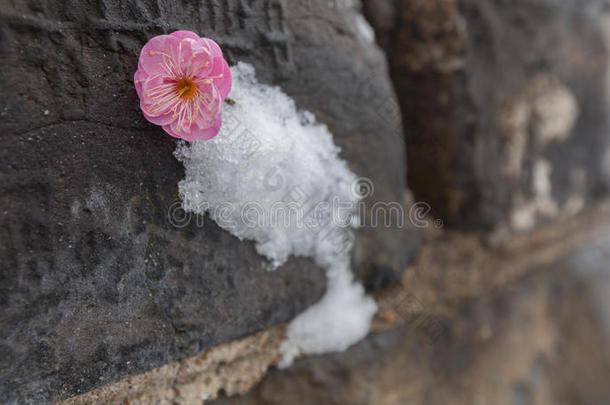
[(273, 175)]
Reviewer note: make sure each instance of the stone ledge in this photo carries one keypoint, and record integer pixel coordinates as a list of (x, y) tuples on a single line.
[(232, 368), (452, 269)]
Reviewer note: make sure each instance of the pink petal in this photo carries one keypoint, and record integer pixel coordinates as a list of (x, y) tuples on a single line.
[(169, 130), (185, 34), (163, 119), (224, 83), (183, 131), (146, 99), (138, 78), (213, 47), (196, 59), (156, 51), (198, 134), (210, 112)]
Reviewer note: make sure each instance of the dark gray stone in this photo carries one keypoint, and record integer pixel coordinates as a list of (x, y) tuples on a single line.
[(505, 104), (537, 340), (96, 284)]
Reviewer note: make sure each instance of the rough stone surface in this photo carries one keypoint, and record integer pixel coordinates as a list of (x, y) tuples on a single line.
[(232, 368), (504, 103), (96, 284), (525, 321), (516, 324)]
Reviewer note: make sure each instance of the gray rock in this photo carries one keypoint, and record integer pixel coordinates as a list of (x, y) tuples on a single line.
[(505, 105), (591, 265), (96, 283), (535, 341)]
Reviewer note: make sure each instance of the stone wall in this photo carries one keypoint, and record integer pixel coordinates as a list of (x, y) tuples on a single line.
[(504, 104), (523, 322), (504, 110), (97, 284)]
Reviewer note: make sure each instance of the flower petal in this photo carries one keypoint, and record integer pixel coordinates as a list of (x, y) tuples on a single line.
[(185, 34), (213, 47), (196, 59), (199, 134), (158, 54), (211, 110), (224, 83), (138, 79), (169, 130), (163, 119), (150, 95)]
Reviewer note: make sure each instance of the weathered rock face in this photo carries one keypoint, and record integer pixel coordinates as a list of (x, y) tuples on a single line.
[(532, 331), (533, 357), (96, 283), (505, 104)]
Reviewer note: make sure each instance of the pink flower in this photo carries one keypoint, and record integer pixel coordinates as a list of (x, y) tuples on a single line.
[(182, 81)]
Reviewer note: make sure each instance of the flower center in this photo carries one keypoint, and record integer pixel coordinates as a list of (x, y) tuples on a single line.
[(186, 88)]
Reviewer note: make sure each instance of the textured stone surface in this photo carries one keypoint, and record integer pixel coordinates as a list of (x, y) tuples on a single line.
[(505, 104), (232, 368), (95, 283), (522, 322), (516, 324), (545, 350)]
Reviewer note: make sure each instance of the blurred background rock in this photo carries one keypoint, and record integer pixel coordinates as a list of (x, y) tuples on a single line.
[(504, 103)]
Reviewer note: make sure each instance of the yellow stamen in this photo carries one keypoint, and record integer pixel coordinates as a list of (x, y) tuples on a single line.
[(186, 88)]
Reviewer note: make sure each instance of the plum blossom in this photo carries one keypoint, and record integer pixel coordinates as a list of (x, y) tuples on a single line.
[(182, 81)]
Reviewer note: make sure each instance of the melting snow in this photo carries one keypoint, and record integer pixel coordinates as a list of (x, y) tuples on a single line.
[(273, 175)]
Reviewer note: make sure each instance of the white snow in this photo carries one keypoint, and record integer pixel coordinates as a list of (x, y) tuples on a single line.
[(273, 175)]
